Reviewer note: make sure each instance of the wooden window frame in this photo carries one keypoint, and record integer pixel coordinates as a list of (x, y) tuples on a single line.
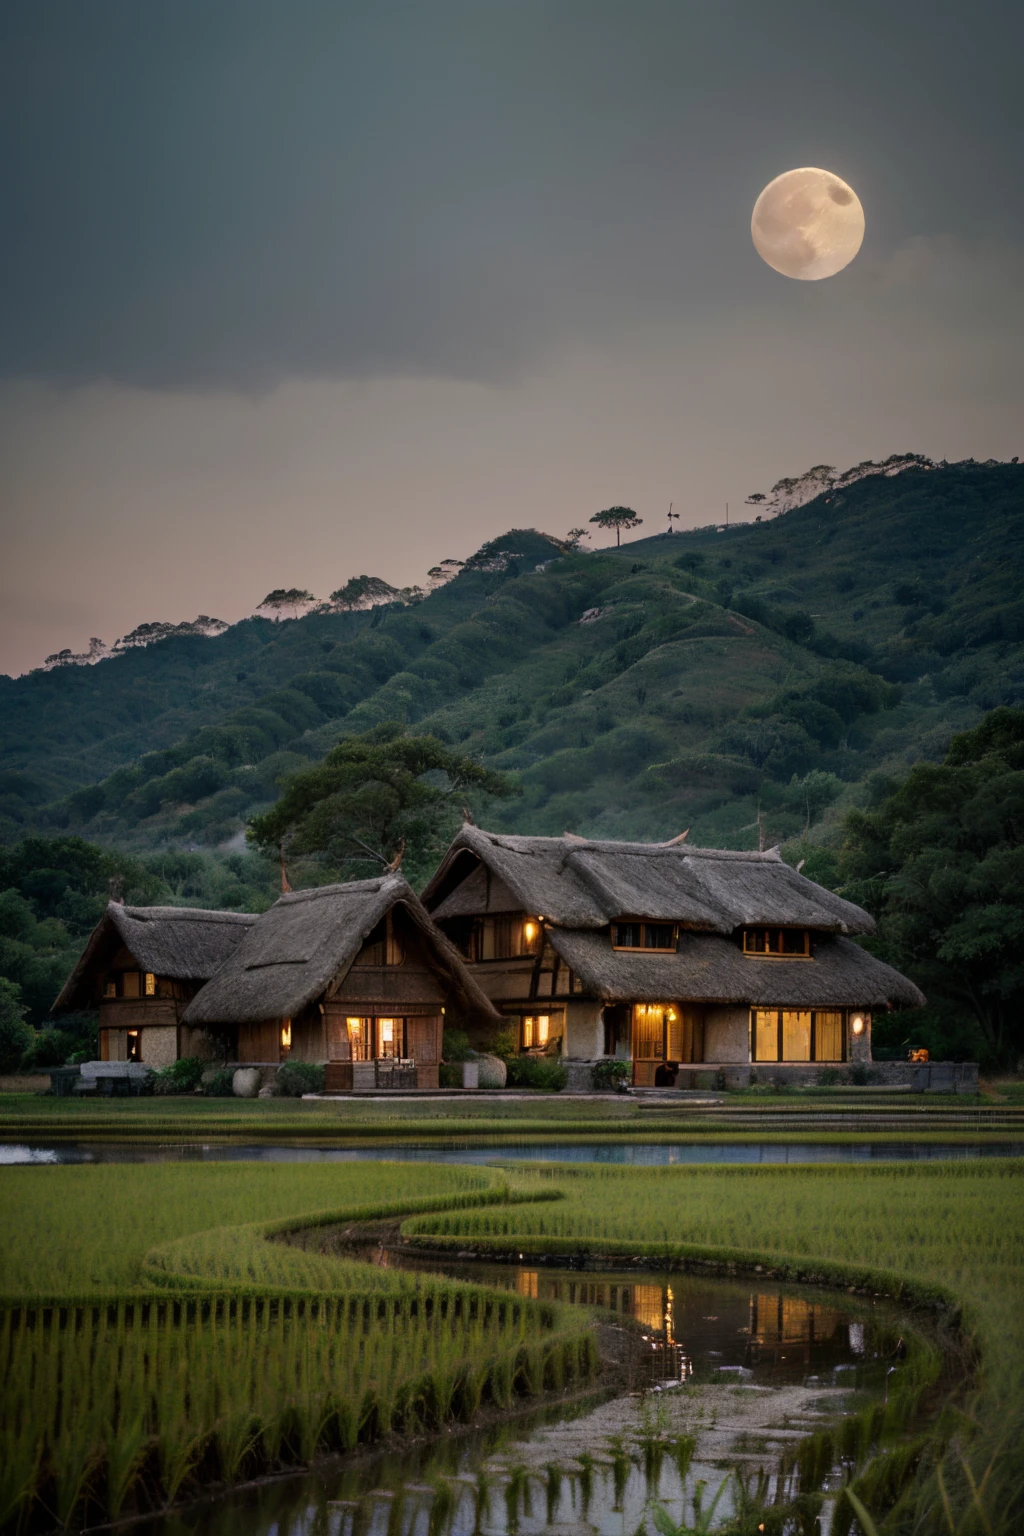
[(643, 949), (813, 1059), (760, 954), (515, 923)]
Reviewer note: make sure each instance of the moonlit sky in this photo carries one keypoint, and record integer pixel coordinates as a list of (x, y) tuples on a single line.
[(293, 292)]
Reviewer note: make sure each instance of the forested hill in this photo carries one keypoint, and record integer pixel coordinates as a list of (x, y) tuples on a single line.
[(691, 679)]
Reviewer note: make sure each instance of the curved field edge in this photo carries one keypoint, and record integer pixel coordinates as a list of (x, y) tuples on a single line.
[(253, 1356), (944, 1235)]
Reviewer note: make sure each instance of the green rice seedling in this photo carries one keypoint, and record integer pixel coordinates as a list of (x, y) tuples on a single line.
[(101, 1389), (311, 1374), (682, 1454), (79, 1231)]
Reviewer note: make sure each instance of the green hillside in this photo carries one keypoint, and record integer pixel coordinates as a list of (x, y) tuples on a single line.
[(771, 669)]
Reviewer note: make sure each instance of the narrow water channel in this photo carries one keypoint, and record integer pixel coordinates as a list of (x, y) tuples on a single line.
[(630, 1153), (719, 1376)]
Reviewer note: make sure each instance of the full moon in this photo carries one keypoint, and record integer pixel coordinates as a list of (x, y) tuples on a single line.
[(807, 224)]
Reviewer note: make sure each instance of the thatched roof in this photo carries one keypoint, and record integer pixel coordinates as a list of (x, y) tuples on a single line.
[(182, 943), (579, 883), (307, 940), (709, 969)]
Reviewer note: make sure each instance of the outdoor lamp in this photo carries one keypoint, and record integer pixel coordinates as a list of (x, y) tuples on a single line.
[(858, 1023)]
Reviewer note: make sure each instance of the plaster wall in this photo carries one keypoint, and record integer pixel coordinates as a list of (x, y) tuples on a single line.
[(159, 1046), (584, 1030), (727, 1034)]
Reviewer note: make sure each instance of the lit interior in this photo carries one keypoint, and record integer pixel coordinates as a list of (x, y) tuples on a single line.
[(536, 1030)]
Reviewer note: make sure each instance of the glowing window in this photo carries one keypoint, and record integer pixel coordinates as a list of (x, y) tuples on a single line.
[(536, 1030), (150, 984), (649, 1031), (359, 1039), (766, 1035), (286, 1035), (796, 1035), (828, 1037)]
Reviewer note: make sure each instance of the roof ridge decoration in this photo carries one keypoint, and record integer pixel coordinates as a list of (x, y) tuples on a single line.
[(312, 892), (587, 883)]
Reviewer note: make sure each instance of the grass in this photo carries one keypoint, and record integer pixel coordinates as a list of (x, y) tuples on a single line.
[(949, 1230)]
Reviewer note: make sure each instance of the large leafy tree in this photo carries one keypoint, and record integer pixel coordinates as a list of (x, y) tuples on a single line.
[(939, 860), (374, 798)]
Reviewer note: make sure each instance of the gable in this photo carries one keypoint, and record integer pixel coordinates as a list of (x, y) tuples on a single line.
[(481, 891)]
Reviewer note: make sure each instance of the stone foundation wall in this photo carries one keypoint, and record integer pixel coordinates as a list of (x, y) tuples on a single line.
[(922, 1077), (581, 1078)]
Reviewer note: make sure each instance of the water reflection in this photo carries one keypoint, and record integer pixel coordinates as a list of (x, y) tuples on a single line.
[(686, 1328), (585, 1467)]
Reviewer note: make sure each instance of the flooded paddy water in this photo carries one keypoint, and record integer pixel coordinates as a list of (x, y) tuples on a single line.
[(716, 1378), (638, 1154)]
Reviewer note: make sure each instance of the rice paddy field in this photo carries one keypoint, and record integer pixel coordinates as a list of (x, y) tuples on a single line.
[(931, 1232), (158, 1335), (155, 1337)]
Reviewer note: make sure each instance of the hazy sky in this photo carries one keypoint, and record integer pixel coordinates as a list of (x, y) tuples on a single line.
[(290, 292)]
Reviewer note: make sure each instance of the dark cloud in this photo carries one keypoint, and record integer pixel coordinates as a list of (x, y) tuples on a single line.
[(211, 193)]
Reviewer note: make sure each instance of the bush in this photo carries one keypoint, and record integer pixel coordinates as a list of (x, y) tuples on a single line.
[(612, 1076), (219, 1084), (15, 1035), (505, 1043), (862, 1076), (455, 1046), (298, 1077), (536, 1072), (449, 1074), (829, 1077), (183, 1076), (48, 1048)]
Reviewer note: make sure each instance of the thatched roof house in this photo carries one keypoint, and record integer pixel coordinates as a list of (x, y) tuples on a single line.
[(353, 973), (140, 968), (662, 952)]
